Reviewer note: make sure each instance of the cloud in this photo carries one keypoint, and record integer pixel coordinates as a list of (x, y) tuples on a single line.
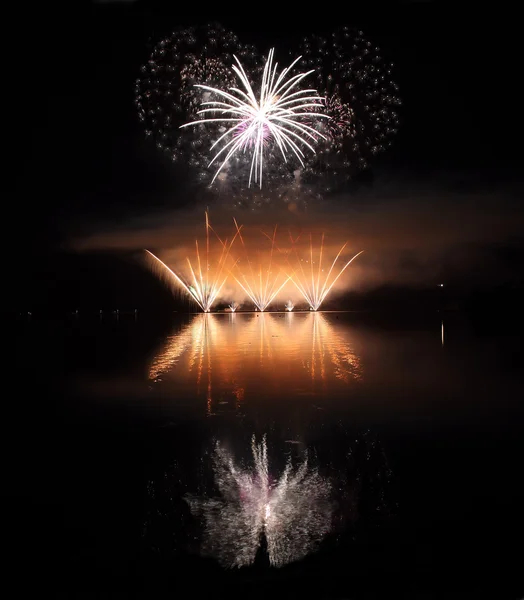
[(412, 231)]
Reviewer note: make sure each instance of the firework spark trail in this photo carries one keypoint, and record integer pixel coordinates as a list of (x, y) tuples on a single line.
[(261, 294), (205, 283), (278, 114), (294, 514), (200, 289), (360, 99), (316, 292)]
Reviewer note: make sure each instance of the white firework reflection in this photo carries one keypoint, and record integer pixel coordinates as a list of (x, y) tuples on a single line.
[(294, 512)]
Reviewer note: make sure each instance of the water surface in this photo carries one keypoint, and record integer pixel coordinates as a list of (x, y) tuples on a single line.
[(305, 441)]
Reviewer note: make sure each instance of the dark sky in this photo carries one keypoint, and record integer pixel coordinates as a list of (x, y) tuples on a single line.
[(81, 157)]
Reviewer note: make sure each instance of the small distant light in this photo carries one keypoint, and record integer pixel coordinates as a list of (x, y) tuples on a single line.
[(440, 285)]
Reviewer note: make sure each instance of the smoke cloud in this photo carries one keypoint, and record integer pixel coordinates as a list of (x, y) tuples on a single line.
[(412, 233)]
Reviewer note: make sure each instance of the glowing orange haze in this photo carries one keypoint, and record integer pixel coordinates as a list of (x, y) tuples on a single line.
[(263, 269), (408, 231)]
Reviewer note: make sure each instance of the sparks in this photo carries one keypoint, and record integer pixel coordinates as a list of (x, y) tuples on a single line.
[(261, 288), (312, 284), (259, 272), (278, 114), (202, 286)]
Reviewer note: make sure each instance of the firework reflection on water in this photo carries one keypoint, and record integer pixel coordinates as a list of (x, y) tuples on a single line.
[(292, 511), (330, 496), (233, 358)]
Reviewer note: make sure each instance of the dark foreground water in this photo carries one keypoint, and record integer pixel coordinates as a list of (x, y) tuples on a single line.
[(331, 455)]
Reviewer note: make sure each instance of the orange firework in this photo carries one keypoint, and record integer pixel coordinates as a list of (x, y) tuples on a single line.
[(259, 281), (202, 287), (261, 278), (311, 282)]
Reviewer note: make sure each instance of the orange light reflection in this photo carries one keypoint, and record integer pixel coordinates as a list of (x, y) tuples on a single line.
[(227, 359)]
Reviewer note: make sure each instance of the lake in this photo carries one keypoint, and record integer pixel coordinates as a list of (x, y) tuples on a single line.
[(342, 454)]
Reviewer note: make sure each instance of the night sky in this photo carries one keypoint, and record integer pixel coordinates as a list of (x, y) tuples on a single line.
[(82, 163)]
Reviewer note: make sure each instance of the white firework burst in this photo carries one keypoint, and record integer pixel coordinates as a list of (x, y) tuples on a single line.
[(281, 114)]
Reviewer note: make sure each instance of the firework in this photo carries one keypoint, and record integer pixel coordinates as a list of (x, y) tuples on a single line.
[(311, 281), (204, 283), (258, 279), (361, 99), (293, 512), (203, 76), (258, 272), (278, 115), (166, 96)]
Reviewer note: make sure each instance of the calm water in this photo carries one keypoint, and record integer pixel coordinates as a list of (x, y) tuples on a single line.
[(354, 453)]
